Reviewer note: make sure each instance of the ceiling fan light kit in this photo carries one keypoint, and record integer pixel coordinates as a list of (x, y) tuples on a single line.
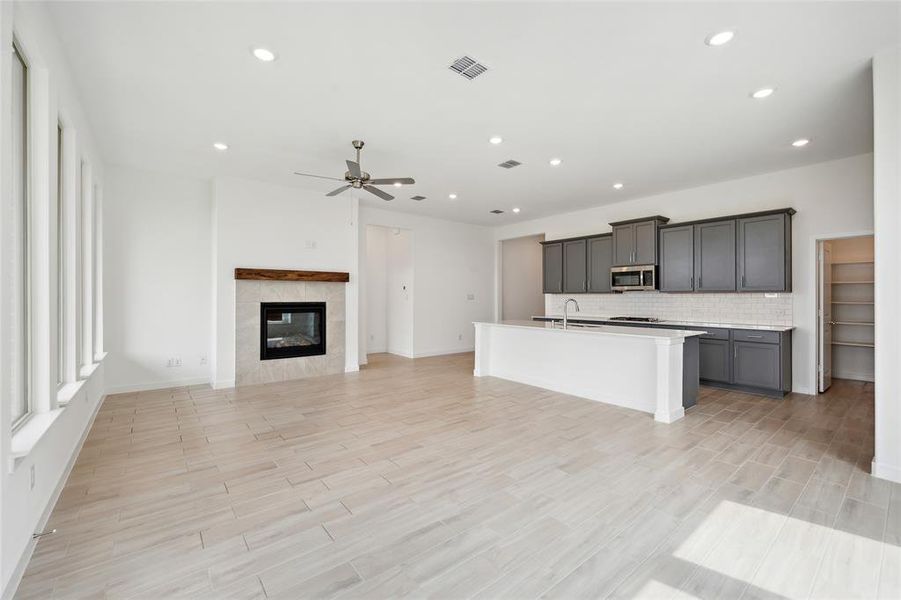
[(355, 177)]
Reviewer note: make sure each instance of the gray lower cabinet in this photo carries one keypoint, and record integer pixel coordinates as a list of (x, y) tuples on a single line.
[(677, 259), (600, 259), (552, 268), (756, 364), (714, 256), (764, 253), (715, 360), (575, 267)]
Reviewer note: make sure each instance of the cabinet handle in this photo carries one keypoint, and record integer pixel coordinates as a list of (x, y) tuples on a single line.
[(756, 337), (742, 281), (691, 282)]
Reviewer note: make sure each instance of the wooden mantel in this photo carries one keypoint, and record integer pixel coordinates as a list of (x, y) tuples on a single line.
[(286, 275)]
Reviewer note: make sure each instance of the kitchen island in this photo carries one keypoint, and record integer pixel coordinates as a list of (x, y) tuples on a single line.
[(651, 370)]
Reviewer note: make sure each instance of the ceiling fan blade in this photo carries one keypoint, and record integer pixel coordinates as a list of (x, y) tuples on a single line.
[(354, 169), (339, 190), (383, 181), (378, 192), (319, 176)]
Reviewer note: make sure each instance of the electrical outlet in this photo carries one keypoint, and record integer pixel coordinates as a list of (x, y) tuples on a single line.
[(310, 244), (470, 296), (175, 361), (203, 359), (460, 336), (32, 477)]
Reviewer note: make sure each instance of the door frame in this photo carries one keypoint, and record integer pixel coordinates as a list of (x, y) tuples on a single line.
[(814, 323)]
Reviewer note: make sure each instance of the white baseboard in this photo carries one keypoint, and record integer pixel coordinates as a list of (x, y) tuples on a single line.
[(22, 564), (443, 352), (157, 385), (885, 471), (400, 353), (855, 376), (223, 384)]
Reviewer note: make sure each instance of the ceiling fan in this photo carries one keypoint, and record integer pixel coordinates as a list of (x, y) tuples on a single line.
[(360, 179)]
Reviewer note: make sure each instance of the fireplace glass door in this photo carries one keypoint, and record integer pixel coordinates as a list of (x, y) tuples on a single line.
[(289, 329)]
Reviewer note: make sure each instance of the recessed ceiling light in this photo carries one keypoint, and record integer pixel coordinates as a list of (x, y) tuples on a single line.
[(555, 162), (397, 184), (264, 54), (516, 210), (617, 186), (496, 140), (452, 196), (720, 38), (800, 143), (763, 93), (220, 146)]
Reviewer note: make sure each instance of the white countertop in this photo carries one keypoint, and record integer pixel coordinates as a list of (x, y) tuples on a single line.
[(645, 332), (580, 316)]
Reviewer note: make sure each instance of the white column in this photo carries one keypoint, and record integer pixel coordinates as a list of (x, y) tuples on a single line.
[(483, 351), (887, 218), (669, 380), (87, 270)]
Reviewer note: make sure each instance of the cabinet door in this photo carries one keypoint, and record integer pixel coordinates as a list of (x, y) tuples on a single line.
[(714, 360), (574, 267), (624, 245), (552, 255), (761, 254), (645, 243), (600, 259), (757, 365), (715, 257), (676, 259)]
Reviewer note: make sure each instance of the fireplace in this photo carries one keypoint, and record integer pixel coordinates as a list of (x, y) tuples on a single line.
[(289, 329)]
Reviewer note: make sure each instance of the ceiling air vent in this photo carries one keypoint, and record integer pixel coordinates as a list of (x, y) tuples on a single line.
[(417, 198), (468, 67), (509, 164), (496, 211)]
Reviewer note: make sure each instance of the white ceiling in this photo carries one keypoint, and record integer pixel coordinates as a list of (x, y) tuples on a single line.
[(621, 92)]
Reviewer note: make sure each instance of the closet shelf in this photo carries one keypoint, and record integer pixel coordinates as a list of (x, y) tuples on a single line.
[(855, 344), (868, 323), (852, 262), (862, 303), (850, 282)]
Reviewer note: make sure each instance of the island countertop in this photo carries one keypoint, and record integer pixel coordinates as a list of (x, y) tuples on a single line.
[(668, 323), (605, 330)]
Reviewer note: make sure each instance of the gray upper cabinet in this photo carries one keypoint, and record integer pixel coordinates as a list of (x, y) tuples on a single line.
[(624, 244), (635, 242), (677, 259), (575, 266), (764, 253), (600, 259), (552, 263), (714, 256), (645, 243)]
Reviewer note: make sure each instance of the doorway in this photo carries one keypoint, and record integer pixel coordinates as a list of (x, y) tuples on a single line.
[(846, 325), (521, 293), (389, 291)]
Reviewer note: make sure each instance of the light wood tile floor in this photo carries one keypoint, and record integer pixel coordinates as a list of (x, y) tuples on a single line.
[(412, 478)]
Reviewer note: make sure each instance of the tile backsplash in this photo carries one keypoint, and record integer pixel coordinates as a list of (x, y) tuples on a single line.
[(745, 308)]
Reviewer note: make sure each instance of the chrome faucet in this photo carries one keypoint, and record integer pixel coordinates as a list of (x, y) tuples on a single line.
[(565, 307)]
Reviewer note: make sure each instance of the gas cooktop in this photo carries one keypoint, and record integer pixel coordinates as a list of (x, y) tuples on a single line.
[(636, 319)]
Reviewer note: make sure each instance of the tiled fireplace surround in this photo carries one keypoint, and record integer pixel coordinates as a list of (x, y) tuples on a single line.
[(249, 369)]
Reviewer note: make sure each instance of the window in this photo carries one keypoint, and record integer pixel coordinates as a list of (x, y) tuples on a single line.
[(79, 270), (20, 169), (60, 264)]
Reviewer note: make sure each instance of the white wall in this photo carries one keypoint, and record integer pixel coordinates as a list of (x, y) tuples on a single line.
[(831, 198), (375, 324), (887, 207), (54, 434), (158, 279), (521, 285), (263, 225), (400, 285), (451, 261)]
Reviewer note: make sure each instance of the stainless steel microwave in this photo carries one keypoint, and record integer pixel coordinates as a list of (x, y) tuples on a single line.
[(633, 278)]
